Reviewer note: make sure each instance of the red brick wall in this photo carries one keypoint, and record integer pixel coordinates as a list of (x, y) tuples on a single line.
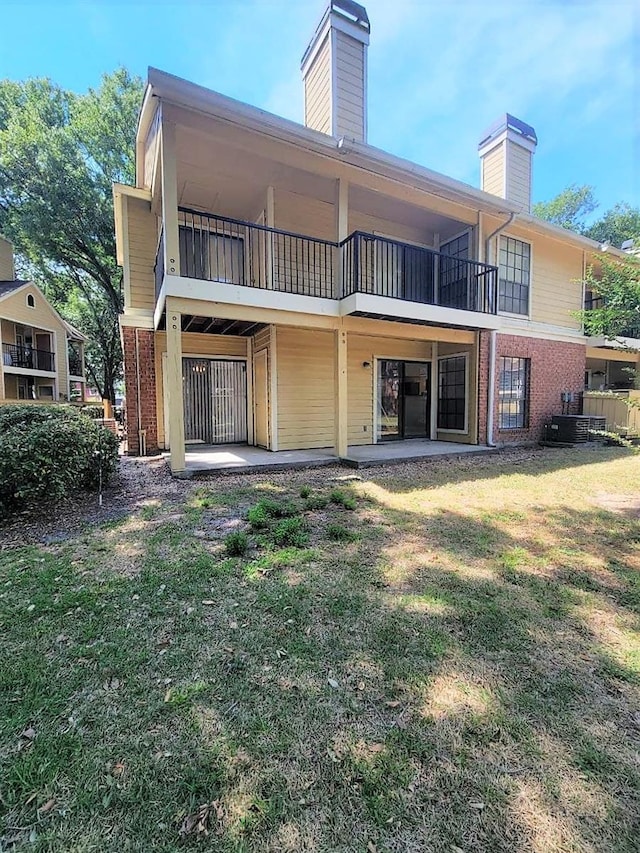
[(146, 358), (555, 367)]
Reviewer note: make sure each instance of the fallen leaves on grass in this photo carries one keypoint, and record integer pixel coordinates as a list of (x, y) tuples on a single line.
[(201, 822)]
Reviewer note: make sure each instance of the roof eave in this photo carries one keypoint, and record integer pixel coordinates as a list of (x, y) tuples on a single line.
[(184, 93)]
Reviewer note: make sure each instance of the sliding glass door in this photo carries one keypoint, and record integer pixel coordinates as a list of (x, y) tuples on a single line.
[(403, 399)]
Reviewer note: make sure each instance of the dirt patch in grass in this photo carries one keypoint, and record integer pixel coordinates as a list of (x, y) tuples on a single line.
[(444, 657)]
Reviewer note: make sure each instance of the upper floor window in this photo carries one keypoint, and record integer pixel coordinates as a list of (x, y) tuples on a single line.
[(514, 276), (31, 302)]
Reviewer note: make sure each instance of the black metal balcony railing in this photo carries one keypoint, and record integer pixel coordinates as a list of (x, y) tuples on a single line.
[(75, 364), (20, 355), (632, 330), (221, 249), (384, 267)]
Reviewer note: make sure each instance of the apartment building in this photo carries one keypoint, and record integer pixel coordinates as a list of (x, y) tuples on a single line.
[(42, 355), (293, 287)]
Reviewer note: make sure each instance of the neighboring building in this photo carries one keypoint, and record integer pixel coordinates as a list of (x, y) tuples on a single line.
[(293, 287), (42, 354)]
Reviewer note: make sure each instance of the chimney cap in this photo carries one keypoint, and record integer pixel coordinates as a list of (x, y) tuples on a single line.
[(509, 122), (350, 13)]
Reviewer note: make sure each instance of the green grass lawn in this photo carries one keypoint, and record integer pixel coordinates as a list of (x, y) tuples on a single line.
[(441, 657)]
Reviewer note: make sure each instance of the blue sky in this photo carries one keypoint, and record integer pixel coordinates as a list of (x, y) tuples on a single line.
[(439, 72)]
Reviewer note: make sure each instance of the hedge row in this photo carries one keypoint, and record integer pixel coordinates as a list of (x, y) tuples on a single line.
[(50, 452)]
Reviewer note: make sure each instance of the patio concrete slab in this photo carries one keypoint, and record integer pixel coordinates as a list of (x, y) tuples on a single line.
[(241, 458), (409, 450)]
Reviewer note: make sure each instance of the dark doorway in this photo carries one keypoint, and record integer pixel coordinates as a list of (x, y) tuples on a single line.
[(404, 399)]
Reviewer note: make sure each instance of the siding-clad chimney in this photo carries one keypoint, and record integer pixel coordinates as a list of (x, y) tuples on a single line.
[(334, 70), (7, 271), (506, 160)]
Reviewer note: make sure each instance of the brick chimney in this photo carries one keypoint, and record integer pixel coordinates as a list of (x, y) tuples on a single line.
[(334, 70), (506, 160), (7, 270)]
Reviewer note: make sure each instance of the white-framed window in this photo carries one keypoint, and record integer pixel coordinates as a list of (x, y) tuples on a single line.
[(514, 278), (513, 407), (31, 300)]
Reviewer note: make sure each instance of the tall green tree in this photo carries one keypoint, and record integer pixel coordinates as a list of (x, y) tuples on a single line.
[(620, 223), (60, 152), (569, 209)]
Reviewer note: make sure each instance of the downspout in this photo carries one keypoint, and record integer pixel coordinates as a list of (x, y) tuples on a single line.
[(142, 433), (491, 391), (491, 394)]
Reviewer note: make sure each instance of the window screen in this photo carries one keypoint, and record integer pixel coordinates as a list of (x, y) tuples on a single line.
[(452, 393), (515, 272), (514, 393)]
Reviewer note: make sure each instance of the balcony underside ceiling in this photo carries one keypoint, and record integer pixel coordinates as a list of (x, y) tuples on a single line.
[(411, 321), (215, 326), (234, 183)]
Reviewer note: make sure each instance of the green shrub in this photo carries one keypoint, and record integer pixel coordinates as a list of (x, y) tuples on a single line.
[(260, 515), (236, 543), (291, 531), (340, 534), (343, 499), (305, 492), (50, 452), (316, 502)]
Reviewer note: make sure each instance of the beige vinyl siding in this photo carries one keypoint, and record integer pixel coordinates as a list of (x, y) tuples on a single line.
[(7, 272), (361, 380), (306, 381), (41, 317), (262, 343), (382, 255), (302, 214), (304, 266), (10, 386), (262, 339), (349, 97), (192, 344), (519, 176), (359, 221), (317, 90), (8, 332), (493, 171), (141, 237), (556, 283), (151, 149)]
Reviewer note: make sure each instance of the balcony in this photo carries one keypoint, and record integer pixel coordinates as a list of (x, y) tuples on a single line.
[(235, 252), (382, 267), (27, 358), (75, 364)]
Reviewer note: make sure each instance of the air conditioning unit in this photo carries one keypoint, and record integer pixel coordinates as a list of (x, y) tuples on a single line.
[(569, 429)]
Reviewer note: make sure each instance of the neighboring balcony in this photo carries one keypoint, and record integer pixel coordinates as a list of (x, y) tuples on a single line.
[(26, 358), (365, 274), (75, 364)]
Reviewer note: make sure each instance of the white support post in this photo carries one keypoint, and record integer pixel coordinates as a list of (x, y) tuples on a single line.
[(341, 395), (341, 207), (433, 414), (270, 222), (174, 388), (250, 403), (170, 199), (273, 386)]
